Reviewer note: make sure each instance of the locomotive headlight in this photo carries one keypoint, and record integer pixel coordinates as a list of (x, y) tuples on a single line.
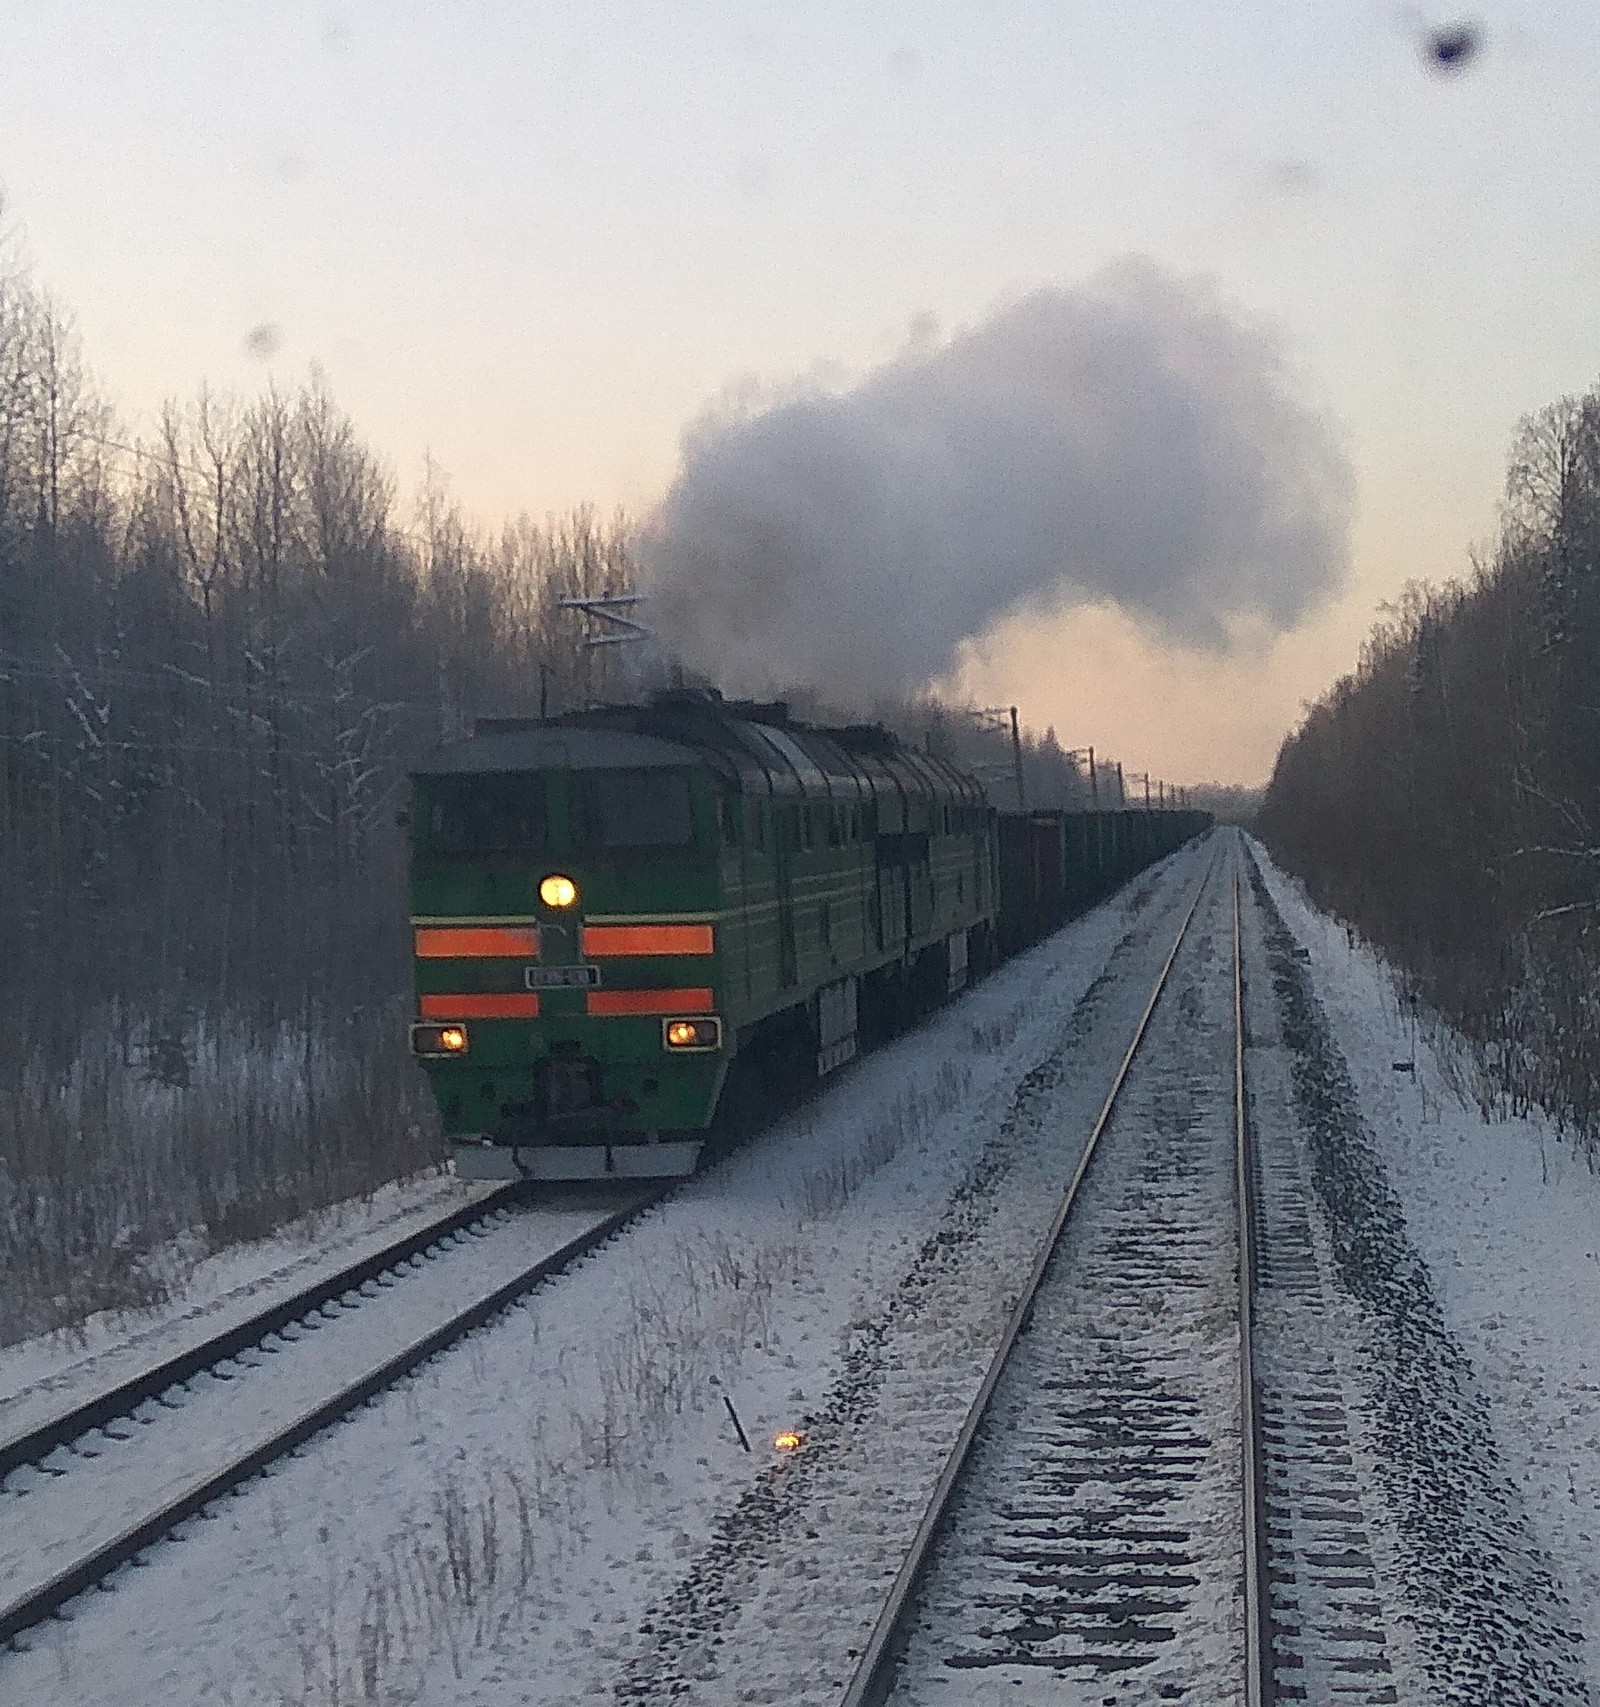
[(558, 891)]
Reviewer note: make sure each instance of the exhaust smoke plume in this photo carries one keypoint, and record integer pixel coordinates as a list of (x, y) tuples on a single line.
[(1132, 442)]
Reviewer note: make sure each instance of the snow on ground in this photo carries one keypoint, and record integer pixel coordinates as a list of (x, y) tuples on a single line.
[(79, 1499), (506, 1525), (41, 1378), (1507, 1216)]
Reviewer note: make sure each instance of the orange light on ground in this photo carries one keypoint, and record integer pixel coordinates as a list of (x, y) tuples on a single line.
[(788, 1440)]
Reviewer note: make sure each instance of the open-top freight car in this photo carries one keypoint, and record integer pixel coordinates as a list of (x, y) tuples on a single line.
[(1054, 865), (633, 924)]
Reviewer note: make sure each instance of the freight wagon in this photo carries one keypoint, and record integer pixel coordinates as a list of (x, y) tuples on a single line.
[(1054, 865)]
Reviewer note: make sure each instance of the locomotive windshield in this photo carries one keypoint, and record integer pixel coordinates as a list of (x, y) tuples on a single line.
[(636, 809), (467, 816)]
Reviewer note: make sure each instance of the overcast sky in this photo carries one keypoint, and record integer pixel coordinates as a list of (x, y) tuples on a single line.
[(537, 239)]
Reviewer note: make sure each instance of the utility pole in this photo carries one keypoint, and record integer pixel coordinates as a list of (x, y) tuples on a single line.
[(1016, 759), (1094, 783), (1122, 793), (608, 619), (615, 623), (994, 720)]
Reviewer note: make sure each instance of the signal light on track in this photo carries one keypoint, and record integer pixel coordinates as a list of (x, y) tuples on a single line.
[(558, 891)]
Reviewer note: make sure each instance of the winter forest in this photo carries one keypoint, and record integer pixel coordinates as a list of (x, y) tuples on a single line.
[(1445, 798), (221, 643)]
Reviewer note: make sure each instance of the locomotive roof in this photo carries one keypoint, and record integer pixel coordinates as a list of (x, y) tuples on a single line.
[(747, 745), (552, 746)]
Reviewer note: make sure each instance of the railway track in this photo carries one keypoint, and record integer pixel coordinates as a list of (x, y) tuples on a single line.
[(1170, 1487), (1140, 1505), (89, 1489), (1150, 1501), (33, 1444), (1055, 1549), (1327, 1589)]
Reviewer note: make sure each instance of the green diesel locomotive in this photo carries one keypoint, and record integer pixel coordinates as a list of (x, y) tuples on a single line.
[(635, 926), (631, 922)]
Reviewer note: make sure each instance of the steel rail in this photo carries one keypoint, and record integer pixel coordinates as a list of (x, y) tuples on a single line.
[(871, 1680), (39, 1442), (1260, 1682), (49, 1598)]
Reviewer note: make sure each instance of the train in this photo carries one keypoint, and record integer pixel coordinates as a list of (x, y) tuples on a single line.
[(636, 927)]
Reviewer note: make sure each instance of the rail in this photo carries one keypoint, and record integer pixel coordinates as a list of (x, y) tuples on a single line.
[(40, 1441), (871, 1679), (48, 1598), (1259, 1688)]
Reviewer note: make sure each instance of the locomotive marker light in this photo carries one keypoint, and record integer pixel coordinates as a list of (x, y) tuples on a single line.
[(438, 1040), (691, 1034), (558, 891)]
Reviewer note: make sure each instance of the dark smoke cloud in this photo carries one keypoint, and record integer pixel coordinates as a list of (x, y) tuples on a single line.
[(1133, 441)]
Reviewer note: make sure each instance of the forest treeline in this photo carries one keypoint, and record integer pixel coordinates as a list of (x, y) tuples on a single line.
[(1445, 798), (221, 645)]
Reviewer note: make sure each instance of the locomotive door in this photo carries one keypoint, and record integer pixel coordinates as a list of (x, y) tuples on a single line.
[(786, 828), (919, 883)]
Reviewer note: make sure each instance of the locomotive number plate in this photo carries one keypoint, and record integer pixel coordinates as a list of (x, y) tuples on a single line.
[(561, 977)]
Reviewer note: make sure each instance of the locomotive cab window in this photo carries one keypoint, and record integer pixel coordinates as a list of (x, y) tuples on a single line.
[(467, 817), (636, 809)]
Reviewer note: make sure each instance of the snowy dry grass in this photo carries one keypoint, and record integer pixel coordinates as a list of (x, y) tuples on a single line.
[(1464, 1076), (121, 1174), (461, 1566)]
